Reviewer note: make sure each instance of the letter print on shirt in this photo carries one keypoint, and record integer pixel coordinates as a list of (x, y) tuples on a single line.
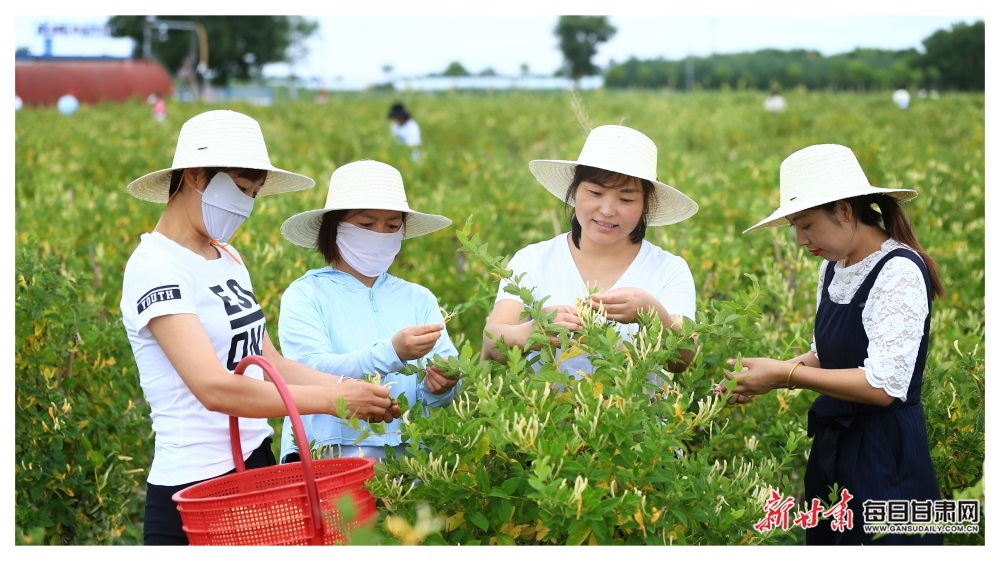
[(158, 294), (246, 320)]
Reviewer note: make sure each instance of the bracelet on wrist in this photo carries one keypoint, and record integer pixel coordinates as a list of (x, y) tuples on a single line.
[(788, 381)]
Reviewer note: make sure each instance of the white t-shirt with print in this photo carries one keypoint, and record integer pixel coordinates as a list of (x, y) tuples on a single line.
[(549, 270), (163, 278)]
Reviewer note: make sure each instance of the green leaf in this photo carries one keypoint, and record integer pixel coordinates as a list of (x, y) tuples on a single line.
[(482, 479), (504, 539), (579, 531), (510, 486), (479, 519)]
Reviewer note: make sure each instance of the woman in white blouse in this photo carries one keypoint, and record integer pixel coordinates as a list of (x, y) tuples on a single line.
[(869, 345)]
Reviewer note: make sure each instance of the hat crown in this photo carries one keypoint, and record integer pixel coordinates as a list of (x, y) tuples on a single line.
[(221, 138), (367, 184), (620, 149), (820, 174)]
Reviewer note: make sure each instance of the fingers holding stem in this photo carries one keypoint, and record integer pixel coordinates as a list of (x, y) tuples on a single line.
[(731, 385)]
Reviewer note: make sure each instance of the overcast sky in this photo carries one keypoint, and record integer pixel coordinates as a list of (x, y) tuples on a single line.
[(353, 49)]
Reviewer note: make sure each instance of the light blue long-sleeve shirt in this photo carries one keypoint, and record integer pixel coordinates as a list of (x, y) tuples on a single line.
[(332, 322)]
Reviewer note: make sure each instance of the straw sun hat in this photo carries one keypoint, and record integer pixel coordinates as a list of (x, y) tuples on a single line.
[(622, 150), (360, 185), (219, 139), (822, 174)]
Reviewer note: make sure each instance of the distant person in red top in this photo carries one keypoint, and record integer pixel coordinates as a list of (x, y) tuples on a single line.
[(159, 107)]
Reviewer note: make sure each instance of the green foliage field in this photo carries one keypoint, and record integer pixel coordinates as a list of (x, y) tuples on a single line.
[(80, 480)]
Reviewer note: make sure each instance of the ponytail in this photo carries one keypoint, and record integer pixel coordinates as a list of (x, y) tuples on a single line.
[(891, 218)]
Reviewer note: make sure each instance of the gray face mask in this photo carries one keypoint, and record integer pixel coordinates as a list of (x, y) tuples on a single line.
[(224, 207)]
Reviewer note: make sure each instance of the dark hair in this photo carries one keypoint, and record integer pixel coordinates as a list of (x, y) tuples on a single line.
[(246, 173), (611, 180), (892, 220), (326, 240), (397, 110)]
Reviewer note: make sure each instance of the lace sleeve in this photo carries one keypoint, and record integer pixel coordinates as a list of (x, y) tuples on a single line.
[(894, 320)]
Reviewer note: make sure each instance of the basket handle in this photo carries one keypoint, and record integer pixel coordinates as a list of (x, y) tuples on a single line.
[(298, 430)]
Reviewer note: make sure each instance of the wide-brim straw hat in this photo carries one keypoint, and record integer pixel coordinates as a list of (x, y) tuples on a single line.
[(366, 184), (225, 139), (622, 150), (821, 174)]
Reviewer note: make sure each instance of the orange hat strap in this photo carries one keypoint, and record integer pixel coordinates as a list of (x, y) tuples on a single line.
[(222, 246)]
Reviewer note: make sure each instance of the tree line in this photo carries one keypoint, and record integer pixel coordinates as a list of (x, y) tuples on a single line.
[(953, 59)]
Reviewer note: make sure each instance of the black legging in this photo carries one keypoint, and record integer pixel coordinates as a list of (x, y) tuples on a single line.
[(162, 522)]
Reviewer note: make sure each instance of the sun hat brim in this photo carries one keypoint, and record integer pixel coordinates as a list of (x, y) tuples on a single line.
[(780, 216), (364, 184), (302, 229), (154, 187), (219, 139), (668, 207), (818, 175)]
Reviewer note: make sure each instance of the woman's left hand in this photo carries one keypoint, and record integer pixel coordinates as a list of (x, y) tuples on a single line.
[(622, 304), (438, 383), (759, 376)]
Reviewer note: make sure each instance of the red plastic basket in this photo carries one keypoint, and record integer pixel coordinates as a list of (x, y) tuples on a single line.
[(298, 503)]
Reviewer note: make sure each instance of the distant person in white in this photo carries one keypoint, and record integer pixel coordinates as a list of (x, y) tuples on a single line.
[(405, 130), (775, 103), (901, 98)]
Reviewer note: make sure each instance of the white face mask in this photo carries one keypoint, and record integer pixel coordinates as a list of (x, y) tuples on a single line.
[(369, 252), (224, 207)]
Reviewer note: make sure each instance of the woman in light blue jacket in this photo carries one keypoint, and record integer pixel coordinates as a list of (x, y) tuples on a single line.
[(352, 318)]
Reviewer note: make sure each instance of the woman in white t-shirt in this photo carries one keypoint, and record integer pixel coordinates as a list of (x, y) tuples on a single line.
[(191, 316), (614, 196)]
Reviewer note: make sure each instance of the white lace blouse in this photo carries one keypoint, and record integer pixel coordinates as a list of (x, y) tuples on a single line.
[(893, 316)]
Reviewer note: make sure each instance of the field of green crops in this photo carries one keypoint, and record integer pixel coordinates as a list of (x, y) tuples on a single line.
[(74, 219)]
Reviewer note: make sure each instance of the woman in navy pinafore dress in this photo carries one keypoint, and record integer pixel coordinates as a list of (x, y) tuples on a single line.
[(869, 344)]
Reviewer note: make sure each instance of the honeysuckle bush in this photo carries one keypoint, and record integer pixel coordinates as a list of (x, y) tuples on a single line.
[(540, 457), (73, 215), (80, 438)]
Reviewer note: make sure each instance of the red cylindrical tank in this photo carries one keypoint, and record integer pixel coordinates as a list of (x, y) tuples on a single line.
[(42, 81)]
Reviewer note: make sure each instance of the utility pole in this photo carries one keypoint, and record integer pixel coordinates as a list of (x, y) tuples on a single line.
[(199, 44), (689, 72)]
